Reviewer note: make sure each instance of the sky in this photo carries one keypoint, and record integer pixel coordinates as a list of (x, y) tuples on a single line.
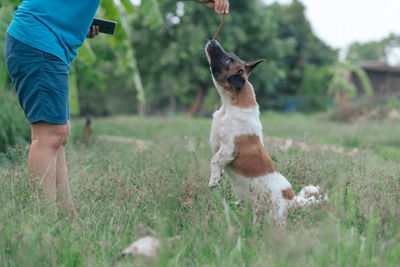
[(342, 22)]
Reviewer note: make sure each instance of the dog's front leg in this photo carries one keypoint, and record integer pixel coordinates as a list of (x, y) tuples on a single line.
[(218, 162)]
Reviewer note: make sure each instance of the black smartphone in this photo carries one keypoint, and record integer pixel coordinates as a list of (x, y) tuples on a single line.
[(105, 26)]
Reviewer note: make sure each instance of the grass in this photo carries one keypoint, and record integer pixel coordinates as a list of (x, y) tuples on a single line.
[(123, 193)]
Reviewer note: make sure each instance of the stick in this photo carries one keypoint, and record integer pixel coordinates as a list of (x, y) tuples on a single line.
[(219, 28)]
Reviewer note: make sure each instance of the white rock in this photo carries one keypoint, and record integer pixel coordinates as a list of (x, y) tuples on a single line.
[(145, 246)]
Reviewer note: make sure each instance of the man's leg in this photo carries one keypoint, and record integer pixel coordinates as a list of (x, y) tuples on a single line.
[(47, 140), (63, 193)]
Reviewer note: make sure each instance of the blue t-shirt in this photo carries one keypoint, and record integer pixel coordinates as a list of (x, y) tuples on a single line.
[(57, 27)]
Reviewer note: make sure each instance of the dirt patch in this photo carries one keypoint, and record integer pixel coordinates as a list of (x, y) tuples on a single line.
[(285, 144), (140, 144)]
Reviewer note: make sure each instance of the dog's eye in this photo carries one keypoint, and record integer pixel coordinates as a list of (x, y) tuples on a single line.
[(240, 71)]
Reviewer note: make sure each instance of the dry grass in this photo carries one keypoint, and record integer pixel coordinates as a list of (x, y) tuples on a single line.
[(123, 193)]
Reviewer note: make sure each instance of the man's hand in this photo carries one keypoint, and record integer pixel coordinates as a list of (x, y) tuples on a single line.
[(220, 6), (93, 31)]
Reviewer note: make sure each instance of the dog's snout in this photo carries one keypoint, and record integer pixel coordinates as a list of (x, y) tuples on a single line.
[(213, 42), (214, 47)]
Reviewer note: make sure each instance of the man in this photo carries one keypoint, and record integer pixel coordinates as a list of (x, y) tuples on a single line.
[(42, 41)]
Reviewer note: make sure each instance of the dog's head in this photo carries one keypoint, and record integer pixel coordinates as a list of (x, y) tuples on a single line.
[(229, 71)]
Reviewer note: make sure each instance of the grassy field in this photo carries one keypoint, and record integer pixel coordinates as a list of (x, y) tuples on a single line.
[(148, 176)]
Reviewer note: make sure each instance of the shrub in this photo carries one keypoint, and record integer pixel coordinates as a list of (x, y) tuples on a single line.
[(365, 108), (314, 87), (14, 128)]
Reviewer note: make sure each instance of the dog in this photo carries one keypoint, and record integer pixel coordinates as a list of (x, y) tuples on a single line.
[(237, 143)]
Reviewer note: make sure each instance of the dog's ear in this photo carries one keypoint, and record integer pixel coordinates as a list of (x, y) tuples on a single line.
[(250, 66), (236, 80)]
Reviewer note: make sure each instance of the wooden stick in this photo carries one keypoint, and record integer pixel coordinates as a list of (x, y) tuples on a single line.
[(219, 28)]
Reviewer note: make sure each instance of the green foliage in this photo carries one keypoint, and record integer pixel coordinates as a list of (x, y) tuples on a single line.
[(14, 127), (371, 51), (122, 12), (106, 84), (341, 86), (14, 130), (364, 79), (151, 14), (158, 52), (6, 12), (374, 50), (394, 103), (252, 31), (73, 92), (171, 61), (308, 48), (314, 87)]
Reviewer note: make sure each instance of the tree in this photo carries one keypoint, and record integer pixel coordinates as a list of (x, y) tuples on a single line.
[(174, 66), (314, 88), (308, 49), (171, 60), (371, 51), (374, 51), (341, 86), (122, 11)]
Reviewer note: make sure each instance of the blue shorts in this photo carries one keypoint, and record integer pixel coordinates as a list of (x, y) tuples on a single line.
[(41, 82)]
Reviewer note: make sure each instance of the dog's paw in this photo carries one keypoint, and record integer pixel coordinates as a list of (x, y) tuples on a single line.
[(212, 186), (213, 183), (237, 203)]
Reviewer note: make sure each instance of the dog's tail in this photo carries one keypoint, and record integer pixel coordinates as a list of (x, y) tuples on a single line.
[(308, 196)]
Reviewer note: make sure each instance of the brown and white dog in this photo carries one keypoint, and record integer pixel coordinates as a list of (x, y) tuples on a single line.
[(237, 143)]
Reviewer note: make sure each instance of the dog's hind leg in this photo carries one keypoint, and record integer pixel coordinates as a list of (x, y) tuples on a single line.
[(277, 210)]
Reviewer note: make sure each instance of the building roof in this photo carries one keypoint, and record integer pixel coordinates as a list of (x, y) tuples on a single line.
[(379, 66)]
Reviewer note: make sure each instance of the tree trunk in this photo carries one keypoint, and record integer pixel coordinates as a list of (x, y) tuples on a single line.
[(140, 92), (130, 55), (199, 100)]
